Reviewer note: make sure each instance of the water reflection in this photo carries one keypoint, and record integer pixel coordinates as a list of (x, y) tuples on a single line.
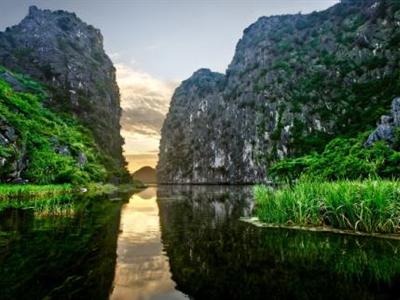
[(59, 249), (215, 256), (142, 270), (174, 241)]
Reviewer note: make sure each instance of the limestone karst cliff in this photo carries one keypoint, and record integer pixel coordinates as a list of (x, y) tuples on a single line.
[(66, 56), (295, 83), (61, 51)]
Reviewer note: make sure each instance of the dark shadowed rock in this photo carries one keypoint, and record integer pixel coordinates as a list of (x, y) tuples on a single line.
[(396, 111)]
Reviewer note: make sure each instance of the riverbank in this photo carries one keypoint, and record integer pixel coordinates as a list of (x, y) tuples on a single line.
[(371, 206), (17, 191), (33, 191)]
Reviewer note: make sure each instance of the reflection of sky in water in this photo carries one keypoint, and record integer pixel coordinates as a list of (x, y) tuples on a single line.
[(142, 270)]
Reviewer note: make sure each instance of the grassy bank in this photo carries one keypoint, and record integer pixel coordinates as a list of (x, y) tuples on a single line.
[(367, 206), (33, 191), (99, 188), (12, 191)]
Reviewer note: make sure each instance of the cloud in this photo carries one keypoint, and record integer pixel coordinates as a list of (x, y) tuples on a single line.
[(145, 102), (139, 142), (142, 120), (141, 89)]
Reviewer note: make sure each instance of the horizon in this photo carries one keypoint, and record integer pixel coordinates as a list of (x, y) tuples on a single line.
[(154, 60)]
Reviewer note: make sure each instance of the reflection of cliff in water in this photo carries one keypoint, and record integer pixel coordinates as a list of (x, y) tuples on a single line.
[(215, 256), (214, 204), (61, 252)]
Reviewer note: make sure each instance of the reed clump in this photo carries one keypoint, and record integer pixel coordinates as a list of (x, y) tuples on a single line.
[(32, 191), (366, 206)]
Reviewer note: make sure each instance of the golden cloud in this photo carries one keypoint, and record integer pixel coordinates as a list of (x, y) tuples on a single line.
[(145, 102)]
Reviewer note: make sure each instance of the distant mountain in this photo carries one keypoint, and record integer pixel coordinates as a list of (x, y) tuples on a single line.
[(295, 83), (145, 175)]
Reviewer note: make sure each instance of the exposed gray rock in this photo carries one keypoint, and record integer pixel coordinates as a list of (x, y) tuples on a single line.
[(11, 80), (3, 140), (12, 155), (63, 150), (386, 128), (10, 134), (82, 159), (396, 111), (204, 138), (57, 48), (19, 181)]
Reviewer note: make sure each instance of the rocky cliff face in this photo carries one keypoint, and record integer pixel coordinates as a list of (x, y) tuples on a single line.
[(57, 48), (11, 167), (295, 82), (387, 127)]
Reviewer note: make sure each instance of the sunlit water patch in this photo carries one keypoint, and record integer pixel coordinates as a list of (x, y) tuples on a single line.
[(142, 270)]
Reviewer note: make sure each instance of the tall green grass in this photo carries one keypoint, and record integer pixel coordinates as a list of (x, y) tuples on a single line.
[(367, 206), (55, 205), (31, 191)]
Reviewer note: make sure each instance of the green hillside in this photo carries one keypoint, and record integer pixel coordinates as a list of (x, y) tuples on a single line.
[(39, 145)]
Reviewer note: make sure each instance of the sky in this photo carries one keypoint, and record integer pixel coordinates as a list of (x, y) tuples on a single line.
[(155, 44)]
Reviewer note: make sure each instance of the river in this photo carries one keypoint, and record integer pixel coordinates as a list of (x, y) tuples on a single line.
[(182, 242)]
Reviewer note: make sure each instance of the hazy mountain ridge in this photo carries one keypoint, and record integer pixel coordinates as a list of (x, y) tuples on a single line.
[(145, 174), (295, 82), (58, 49)]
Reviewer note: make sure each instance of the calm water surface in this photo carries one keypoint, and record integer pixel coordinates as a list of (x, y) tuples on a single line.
[(142, 270), (182, 242)]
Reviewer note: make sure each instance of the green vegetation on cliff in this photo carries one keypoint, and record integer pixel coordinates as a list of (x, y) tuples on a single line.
[(40, 145), (331, 73), (342, 158)]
